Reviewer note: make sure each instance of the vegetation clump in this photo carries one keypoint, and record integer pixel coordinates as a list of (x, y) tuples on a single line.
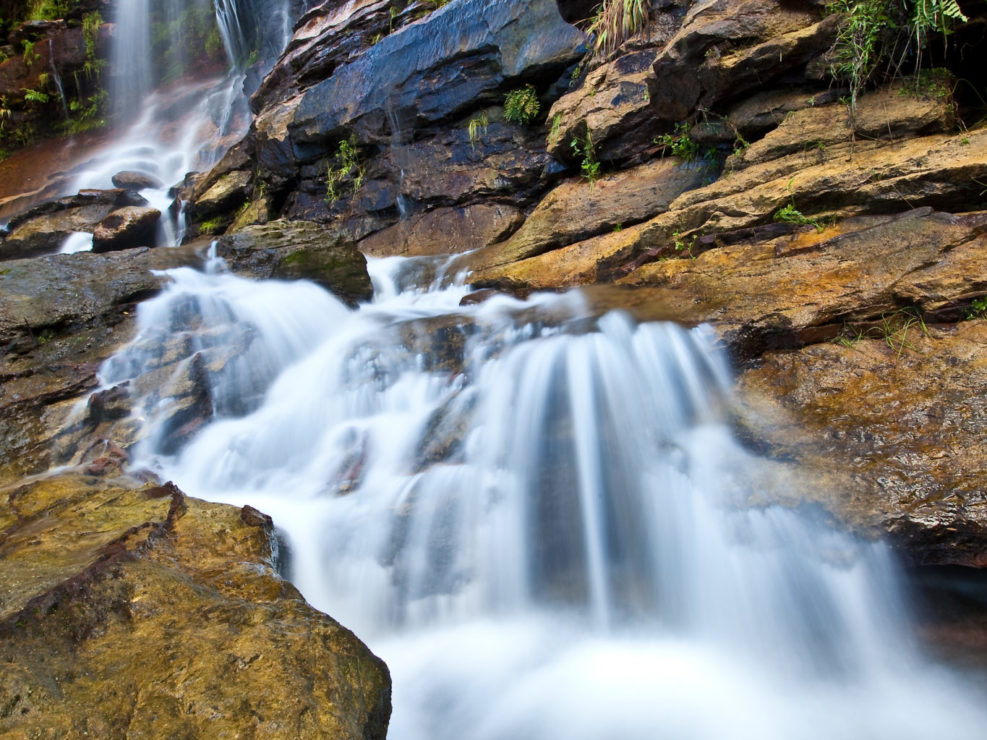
[(679, 143), (345, 165), (877, 37), (615, 21), (585, 150), (521, 105)]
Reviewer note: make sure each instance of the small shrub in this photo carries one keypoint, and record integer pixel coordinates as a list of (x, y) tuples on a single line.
[(792, 215), (978, 308), (584, 148), (476, 127), (521, 105), (345, 165), (616, 21), (876, 33), (680, 144)]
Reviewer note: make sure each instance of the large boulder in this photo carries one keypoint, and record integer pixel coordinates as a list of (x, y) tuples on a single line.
[(578, 209), (43, 228), (126, 228), (130, 610), (293, 250)]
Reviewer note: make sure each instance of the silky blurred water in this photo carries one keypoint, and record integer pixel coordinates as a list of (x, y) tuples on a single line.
[(539, 518)]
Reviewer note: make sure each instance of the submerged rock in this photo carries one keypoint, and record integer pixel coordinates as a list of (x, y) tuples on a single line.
[(134, 610)]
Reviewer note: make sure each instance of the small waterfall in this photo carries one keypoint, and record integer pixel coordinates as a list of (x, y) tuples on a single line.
[(176, 109), (57, 78), (130, 57), (539, 519)]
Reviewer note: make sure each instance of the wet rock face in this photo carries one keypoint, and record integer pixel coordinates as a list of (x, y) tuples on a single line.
[(432, 69), (93, 567), (60, 318), (889, 431)]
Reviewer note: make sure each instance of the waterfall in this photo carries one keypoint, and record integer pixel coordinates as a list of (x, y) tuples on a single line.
[(539, 518), (176, 107)]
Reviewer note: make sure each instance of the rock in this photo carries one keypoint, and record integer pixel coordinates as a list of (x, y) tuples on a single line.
[(444, 231), (130, 180), (803, 287), (612, 101), (446, 168), (723, 49), (887, 431), (60, 318), (229, 191), (892, 113), (578, 209), (874, 177), (299, 250), (327, 36), (44, 228), (433, 69), (126, 228), (93, 568)]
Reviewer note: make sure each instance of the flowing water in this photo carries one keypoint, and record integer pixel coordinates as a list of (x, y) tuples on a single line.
[(173, 119), (537, 517)]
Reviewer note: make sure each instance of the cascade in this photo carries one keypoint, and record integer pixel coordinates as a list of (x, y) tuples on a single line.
[(173, 119), (538, 517)]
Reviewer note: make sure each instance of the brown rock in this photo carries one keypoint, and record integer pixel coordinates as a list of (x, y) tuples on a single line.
[(894, 112), (126, 228), (725, 48), (804, 286), (577, 209), (872, 177), (888, 431), (612, 100), (130, 180), (135, 611), (444, 231)]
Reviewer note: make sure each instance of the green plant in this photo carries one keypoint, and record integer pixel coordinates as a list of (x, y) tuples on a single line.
[(876, 33), (476, 127), (792, 215), (345, 164), (789, 214), (35, 96), (895, 326), (521, 105), (684, 244), (210, 226), (978, 308), (555, 130), (615, 21), (30, 55), (584, 148), (679, 143)]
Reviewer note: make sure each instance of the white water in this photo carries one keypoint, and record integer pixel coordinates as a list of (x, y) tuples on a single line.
[(548, 539), (169, 130)]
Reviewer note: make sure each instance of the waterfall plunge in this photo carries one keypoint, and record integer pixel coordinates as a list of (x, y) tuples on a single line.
[(540, 524), (175, 120)]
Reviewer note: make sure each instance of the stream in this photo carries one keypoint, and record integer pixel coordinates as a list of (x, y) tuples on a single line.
[(538, 518)]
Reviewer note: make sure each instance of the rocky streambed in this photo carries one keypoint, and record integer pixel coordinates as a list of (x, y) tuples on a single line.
[(839, 254)]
